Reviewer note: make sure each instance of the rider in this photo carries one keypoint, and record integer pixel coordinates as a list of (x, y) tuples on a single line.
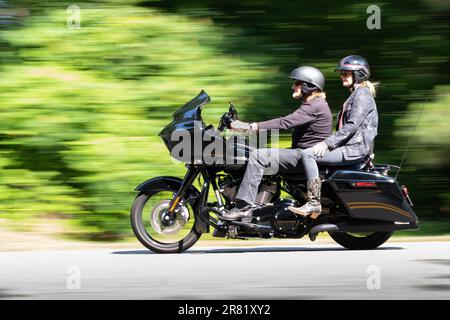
[(312, 123), (355, 135)]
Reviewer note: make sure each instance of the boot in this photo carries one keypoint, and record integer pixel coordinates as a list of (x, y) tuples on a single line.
[(312, 207), (242, 210)]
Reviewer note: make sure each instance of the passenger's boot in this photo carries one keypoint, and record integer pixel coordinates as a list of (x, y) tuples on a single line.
[(312, 207)]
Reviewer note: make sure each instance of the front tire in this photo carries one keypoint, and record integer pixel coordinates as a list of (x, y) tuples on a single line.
[(358, 242), (158, 239)]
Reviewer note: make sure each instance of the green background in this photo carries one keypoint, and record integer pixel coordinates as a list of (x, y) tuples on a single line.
[(80, 108)]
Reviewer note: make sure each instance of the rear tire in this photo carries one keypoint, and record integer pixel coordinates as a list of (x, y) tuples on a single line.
[(150, 242), (368, 242)]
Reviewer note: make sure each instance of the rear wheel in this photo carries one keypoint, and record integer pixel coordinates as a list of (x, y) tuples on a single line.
[(361, 241), (149, 226)]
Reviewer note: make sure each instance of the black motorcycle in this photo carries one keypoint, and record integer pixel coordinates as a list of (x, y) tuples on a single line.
[(362, 204)]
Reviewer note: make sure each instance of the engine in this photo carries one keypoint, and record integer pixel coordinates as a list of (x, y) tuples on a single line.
[(275, 213), (229, 186)]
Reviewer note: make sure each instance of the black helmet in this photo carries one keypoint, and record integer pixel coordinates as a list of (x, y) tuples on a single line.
[(312, 78), (357, 64)]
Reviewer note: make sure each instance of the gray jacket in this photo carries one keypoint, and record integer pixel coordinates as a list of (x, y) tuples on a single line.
[(359, 129)]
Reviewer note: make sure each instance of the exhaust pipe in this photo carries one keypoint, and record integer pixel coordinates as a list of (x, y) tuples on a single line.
[(253, 227), (326, 227), (367, 227)]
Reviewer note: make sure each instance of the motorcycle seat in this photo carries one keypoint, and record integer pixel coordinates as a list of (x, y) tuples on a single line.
[(353, 166), (326, 171)]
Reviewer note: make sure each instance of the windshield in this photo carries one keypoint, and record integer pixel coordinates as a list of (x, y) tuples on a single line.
[(193, 108)]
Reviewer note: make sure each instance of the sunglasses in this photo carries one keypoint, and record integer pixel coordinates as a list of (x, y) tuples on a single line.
[(344, 73), (297, 83)]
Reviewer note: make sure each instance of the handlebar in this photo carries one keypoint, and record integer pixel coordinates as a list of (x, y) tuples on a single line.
[(228, 118)]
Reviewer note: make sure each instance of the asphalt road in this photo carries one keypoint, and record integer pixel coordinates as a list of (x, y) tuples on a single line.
[(325, 271)]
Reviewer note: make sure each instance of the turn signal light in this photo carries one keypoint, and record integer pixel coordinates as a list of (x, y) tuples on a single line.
[(405, 191)]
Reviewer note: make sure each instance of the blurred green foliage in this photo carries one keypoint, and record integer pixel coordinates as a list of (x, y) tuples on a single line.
[(427, 160), (81, 108)]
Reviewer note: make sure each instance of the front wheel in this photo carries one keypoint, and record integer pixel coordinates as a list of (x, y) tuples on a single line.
[(147, 219), (358, 241)]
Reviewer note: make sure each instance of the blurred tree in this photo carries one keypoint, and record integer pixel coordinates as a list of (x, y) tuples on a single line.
[(81, 108), (427, 163)]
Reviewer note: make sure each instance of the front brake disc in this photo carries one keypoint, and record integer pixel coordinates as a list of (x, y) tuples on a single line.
[(159, 211)]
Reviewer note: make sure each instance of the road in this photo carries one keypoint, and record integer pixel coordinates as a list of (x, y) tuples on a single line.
[(397, 270)]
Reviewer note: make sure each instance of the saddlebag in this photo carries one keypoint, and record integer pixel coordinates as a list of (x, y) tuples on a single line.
[(368, 195)]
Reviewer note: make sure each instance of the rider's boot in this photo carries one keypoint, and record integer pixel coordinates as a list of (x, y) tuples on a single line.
[(240, 211), (312, 207)]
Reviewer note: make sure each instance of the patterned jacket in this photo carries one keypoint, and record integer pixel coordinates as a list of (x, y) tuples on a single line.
[(360, 121)]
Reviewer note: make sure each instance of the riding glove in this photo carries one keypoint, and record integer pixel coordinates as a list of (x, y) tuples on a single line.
[(320, 149), (240, 125)]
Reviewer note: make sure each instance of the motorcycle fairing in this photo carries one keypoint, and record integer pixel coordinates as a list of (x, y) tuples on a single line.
[(188, 117)]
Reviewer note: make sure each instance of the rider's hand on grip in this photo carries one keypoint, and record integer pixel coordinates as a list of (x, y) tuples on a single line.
[(240, 125)]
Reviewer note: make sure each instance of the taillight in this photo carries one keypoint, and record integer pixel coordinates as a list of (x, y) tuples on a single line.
[(364, 184), (405, 192)]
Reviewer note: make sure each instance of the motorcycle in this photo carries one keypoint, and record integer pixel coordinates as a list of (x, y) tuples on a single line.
[(362, 204)]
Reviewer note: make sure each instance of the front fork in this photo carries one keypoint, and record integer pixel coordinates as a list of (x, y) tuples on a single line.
[(202, 215), (169, 216)]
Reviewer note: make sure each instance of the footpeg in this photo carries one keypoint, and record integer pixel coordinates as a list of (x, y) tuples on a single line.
[(219, 233), (232, 233)]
